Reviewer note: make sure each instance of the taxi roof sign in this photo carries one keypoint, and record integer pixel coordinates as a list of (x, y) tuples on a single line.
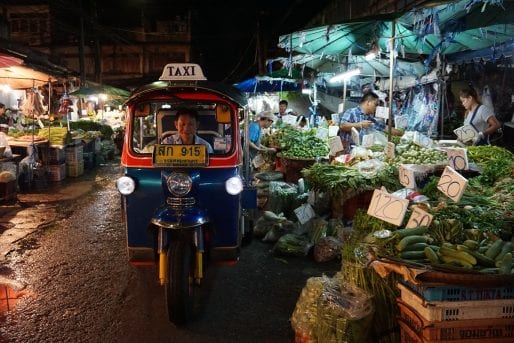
[(182, 72)]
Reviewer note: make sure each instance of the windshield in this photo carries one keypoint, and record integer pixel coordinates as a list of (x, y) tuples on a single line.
[(156, 122)]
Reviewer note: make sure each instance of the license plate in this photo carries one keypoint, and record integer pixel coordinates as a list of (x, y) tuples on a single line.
[(175, 155)]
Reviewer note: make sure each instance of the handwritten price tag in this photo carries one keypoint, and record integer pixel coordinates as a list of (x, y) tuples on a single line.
[(400, 122), (304, 213), (387, 207), (422, 140), (335, 145), (406, 176), (333, 130), (465, 133), (457, 158), (382, 112), (389, 150), (452, 184), (419, 217)]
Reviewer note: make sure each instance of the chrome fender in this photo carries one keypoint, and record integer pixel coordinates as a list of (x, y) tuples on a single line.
[(169, 218)]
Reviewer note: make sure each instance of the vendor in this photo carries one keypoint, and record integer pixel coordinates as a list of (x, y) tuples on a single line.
[(4, 143), (479, 116), (363, 119), (263, 121)]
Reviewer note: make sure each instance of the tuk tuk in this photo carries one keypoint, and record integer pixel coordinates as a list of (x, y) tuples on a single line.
[(182, 203)]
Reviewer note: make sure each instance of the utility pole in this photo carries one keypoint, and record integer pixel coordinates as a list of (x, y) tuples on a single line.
[(97, 46), (82, 66)]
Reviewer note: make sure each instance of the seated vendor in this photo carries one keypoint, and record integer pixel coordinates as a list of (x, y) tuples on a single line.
[(4, 129), (186, 123)]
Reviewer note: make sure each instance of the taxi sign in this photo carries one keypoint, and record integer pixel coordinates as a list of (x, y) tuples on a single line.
[(182, 72), (180, 155)]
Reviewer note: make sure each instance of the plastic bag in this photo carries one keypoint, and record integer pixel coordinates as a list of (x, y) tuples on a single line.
[(344, 314), (327, 249), (292, 244)]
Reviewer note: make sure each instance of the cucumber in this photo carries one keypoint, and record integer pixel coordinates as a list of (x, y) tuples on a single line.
[(462, 247), (495, 249), (456, 261), (471, 244), (405, 241), (507, 247), (482, 260), (420, 230), (416, 247), (462, 255), (506, 264), (412, 255), (431, 255)]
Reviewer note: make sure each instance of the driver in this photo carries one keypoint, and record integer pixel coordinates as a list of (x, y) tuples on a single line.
[(186, 123)]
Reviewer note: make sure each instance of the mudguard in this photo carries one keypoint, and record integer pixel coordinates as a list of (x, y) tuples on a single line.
[(170, 218)]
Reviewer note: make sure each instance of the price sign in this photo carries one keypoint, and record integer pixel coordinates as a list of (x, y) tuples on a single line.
[(406, 176), (367, 140), (304, 213), (419, 217), (387, 207), (355, 136), (465, 133), (400, 122), (335, 117), (382, 112), (422, 140), (335, 145), (457, 158), (452, 184), (389, 150), (333, 130)]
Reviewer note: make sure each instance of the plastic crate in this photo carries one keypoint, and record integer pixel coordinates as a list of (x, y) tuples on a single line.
[(56, 172), (74, 154), (75, 169), (7, 191), (459, 293), (53, 155), (415, 328), (437, 311)]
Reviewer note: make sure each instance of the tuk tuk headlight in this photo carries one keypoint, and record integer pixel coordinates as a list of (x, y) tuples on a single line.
[(126, 185), (234, 185), (179, 184)]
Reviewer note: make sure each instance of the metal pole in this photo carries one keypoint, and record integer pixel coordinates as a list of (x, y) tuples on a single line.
[(391, 69)]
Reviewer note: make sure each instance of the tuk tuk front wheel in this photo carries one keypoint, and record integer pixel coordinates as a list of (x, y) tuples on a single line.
[(182, 293)]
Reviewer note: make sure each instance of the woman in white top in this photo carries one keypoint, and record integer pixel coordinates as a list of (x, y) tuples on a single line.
[(479, 116)]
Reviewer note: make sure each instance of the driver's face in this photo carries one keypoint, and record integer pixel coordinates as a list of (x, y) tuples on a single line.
[(186, 126)]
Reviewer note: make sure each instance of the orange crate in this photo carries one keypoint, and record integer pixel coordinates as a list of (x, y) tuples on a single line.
[(415, 328)]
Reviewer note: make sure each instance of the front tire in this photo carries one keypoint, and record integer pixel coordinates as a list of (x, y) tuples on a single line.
[(181, 291)]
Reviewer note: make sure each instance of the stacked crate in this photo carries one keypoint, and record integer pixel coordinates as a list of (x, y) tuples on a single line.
[(447, 313), (74, 160), (54, 158)]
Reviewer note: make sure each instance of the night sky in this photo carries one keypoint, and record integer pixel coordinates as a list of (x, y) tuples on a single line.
[(224, 32)]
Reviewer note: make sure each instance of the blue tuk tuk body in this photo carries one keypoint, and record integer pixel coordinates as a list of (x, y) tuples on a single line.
[(182, 201)]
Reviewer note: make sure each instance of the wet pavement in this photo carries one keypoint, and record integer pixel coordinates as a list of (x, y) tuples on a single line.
[(30, 212)]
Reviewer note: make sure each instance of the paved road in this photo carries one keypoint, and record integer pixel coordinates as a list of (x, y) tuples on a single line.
[(79, 288)]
